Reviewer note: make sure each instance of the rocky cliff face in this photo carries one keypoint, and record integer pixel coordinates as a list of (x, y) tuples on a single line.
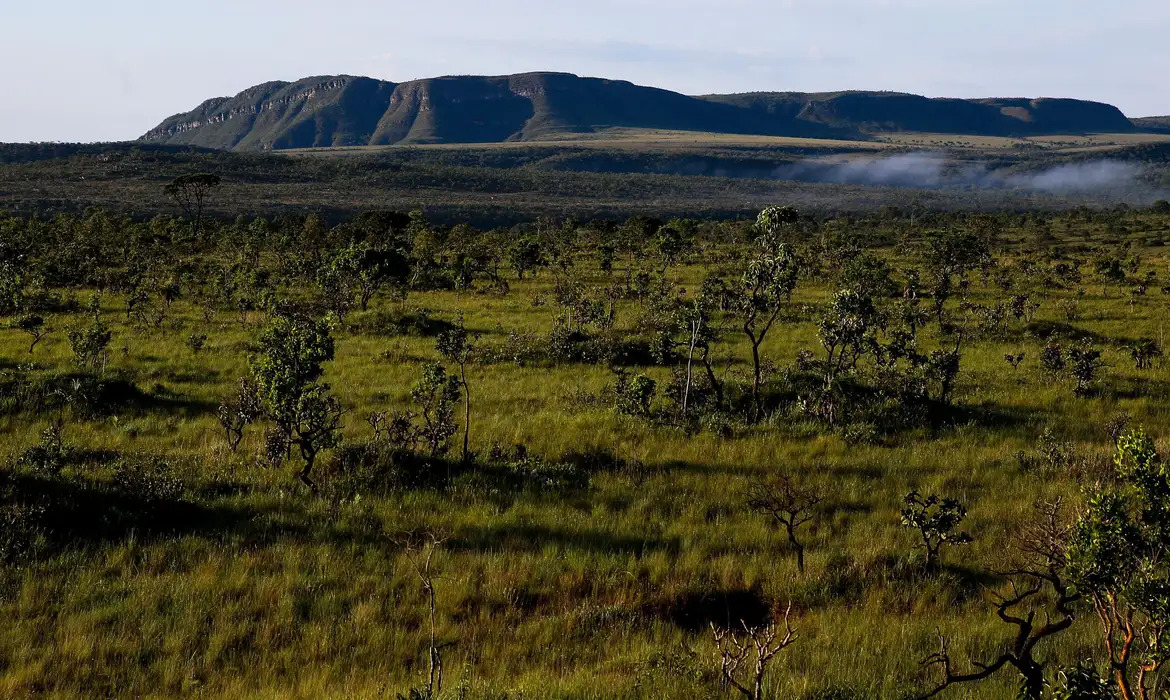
[(351, 111)]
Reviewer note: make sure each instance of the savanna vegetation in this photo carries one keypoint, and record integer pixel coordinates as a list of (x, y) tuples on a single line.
[(699, 176), (899, 455)]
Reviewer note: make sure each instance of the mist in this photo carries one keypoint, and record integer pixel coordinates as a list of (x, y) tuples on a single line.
[(930, 170)]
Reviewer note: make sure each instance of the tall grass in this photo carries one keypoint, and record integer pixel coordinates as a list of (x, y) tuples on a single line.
[(277, 593)]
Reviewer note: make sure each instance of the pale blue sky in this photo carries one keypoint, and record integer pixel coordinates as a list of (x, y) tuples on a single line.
[(83, 70)]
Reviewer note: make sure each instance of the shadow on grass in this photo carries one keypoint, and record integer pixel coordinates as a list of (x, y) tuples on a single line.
[(68, 512), (1117, 388), (1060, 331), (90, 396), (696, 611), (535, 538)]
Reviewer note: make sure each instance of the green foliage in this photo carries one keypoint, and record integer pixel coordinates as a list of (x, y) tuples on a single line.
[(1084, 364), (12, 288), (89, 343), (289, 358), (1117, 556), (196, 342), (937, 521), (634, 395), (286, 367), (50, 455), (1083, 682), (1144, 352), (436, 394), (34, 326)]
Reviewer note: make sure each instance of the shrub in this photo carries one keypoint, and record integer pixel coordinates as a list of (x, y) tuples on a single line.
[(1052, 358), (196, 341), (633, 395), (89, 344), (937, 521), (50, 455), (1084, 364), (1144, 352)]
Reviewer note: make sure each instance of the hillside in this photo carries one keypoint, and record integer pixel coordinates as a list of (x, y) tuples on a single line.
[(880, 112), (350, 111), (1154, 124), (336, 111)]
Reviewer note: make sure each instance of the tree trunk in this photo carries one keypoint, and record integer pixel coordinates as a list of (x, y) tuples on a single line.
[(757, 410), (466, 412), (1033, 673), (690, 360), (799, 550)]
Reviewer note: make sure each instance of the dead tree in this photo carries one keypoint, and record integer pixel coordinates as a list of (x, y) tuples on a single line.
[(420, 551), (789, 504), (759, 644), (1040, 602)]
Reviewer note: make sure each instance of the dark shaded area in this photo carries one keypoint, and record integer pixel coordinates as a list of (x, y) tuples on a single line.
[(91, 396), (535, 538), (418, 324), (71, 512), (696, 611), (1060, 331)]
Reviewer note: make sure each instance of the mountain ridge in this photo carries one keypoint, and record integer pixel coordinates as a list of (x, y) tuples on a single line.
[(347, 110)]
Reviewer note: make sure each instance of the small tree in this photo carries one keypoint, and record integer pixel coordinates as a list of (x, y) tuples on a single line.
[(757, 644), (937, 521), (436, 393), (456, 347), (34, 326), (766, 285), (420, 552), (848, 331), (526, 255), (634, 395), (1144, 352), (286, 368), (190, 192), (196, 342), (89, 343), (237, 413), (949, 255), (1084, 363), (378, 267), (789, 504)]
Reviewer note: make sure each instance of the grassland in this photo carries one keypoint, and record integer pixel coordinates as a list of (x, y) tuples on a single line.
[(264, 589), (626, 174)]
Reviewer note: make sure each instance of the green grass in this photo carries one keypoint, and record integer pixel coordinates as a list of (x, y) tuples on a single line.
[(282, 594)]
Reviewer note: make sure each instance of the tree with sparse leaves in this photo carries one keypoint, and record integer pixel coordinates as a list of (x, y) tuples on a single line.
[(789, 503), (766, 286), (1038, 601), (759, 645), (190, 192), (457, 347)]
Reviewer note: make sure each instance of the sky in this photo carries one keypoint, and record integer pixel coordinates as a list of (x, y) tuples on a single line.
[(79, 70)]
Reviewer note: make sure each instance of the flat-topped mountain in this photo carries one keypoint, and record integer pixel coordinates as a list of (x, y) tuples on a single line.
[(343, 110), (877, 112)]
